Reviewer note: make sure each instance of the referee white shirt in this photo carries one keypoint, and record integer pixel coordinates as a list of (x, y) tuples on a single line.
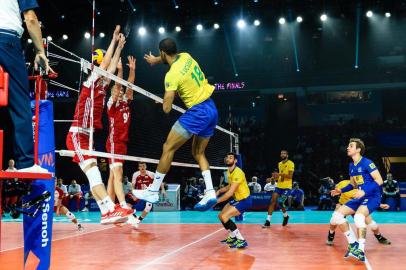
[(10, 14)]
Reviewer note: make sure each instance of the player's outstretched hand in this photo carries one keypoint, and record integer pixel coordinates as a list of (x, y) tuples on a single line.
[(151, 59), (121, 41), (359, 194), (116, 33), (335, 192), (119, 65), (131, 62)]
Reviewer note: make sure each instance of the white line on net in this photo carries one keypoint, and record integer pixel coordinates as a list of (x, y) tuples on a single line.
[(69, 153), (57, 56), (87, 65), (63, 86), (64, 121)]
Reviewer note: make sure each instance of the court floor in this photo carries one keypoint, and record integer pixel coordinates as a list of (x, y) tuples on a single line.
[(190, 240)]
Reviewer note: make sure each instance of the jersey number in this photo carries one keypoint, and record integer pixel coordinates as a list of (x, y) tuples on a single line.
[(125, 117), (197, 75)]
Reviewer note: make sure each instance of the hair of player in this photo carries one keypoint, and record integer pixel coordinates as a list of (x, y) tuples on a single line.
[(168, 46), (233, 154), (359, 144), (283, 150), (142, 163)]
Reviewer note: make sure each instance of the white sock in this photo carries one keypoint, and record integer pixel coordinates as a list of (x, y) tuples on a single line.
[(108, 203), (70, 215), (102, 207), (285, 214), (231, 234), (269, 218), (207, 180), (238, 234), (350, 237), (156, 185), (361, 242), (124, 205)]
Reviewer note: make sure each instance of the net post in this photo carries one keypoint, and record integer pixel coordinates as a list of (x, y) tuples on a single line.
[(236, 144)]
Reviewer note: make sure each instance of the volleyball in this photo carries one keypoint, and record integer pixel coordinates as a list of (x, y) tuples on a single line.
[(97, 56)]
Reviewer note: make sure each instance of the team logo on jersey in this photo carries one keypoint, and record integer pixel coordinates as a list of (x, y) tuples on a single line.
[(372, 166), (359, 169)]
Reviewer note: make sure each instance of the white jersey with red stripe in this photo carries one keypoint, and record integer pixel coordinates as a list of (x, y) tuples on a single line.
[(84, 103), (119, 119)]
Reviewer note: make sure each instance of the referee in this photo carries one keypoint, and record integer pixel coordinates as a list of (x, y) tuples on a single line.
[(13, 62)]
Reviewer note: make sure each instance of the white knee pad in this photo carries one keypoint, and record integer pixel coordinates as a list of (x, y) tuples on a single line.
[(359, 220), (83, 164), (94, 177), (148, 207), (337, 219), (373, 226)]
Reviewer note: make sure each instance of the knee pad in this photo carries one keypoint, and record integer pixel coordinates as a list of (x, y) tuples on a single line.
[(148, 207), (373, 225), (359, 220), (94, 177), (337, 219)]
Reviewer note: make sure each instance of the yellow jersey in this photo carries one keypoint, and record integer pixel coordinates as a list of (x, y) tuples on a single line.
[(346, 196), (285, 168), (187, 79), (238, 176)]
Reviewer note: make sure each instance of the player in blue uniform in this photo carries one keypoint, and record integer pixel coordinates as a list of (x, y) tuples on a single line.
[(366, 178)]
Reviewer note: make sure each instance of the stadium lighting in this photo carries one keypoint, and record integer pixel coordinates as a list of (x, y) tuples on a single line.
[(216, 26), (161, 30), (199, 27), (87, 35), (241, 24), (369, 14), (65, 37), (178, 29), (257, 22), (299, 19), (282, 21), (49, 38), (387, 14), (142, 31), (323, 17), (102, 35)]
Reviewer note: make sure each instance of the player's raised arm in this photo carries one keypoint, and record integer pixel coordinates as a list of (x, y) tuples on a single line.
[(131, 76), (116, 57), (153, 60), (108, 55), (115, 90)]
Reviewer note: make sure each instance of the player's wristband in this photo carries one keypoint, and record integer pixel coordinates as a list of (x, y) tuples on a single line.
[(369, 188), (347, 188)]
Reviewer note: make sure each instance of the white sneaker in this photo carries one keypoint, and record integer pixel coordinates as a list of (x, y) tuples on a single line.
[(147, 195), (85, 209), (208, 201), (133, 221), (34, 169)]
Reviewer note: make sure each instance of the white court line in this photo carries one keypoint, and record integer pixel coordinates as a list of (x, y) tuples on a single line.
[(177, 250), (65, 237)]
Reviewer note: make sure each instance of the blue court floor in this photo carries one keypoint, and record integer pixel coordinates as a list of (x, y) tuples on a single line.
[(210, 217)]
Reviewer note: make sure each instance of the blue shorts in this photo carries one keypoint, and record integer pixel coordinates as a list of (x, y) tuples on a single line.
[(372, 203), (200, 120), (283, 191), (242, 205)]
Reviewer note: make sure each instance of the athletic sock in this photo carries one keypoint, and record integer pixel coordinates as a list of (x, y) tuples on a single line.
[(71, 216), (140, 218), (269, 218), (156, 185), (231, 234), (124, 205), (361, 242), (207, 180), (350, 237), (102, 207), (108, 203), (238, 234)]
